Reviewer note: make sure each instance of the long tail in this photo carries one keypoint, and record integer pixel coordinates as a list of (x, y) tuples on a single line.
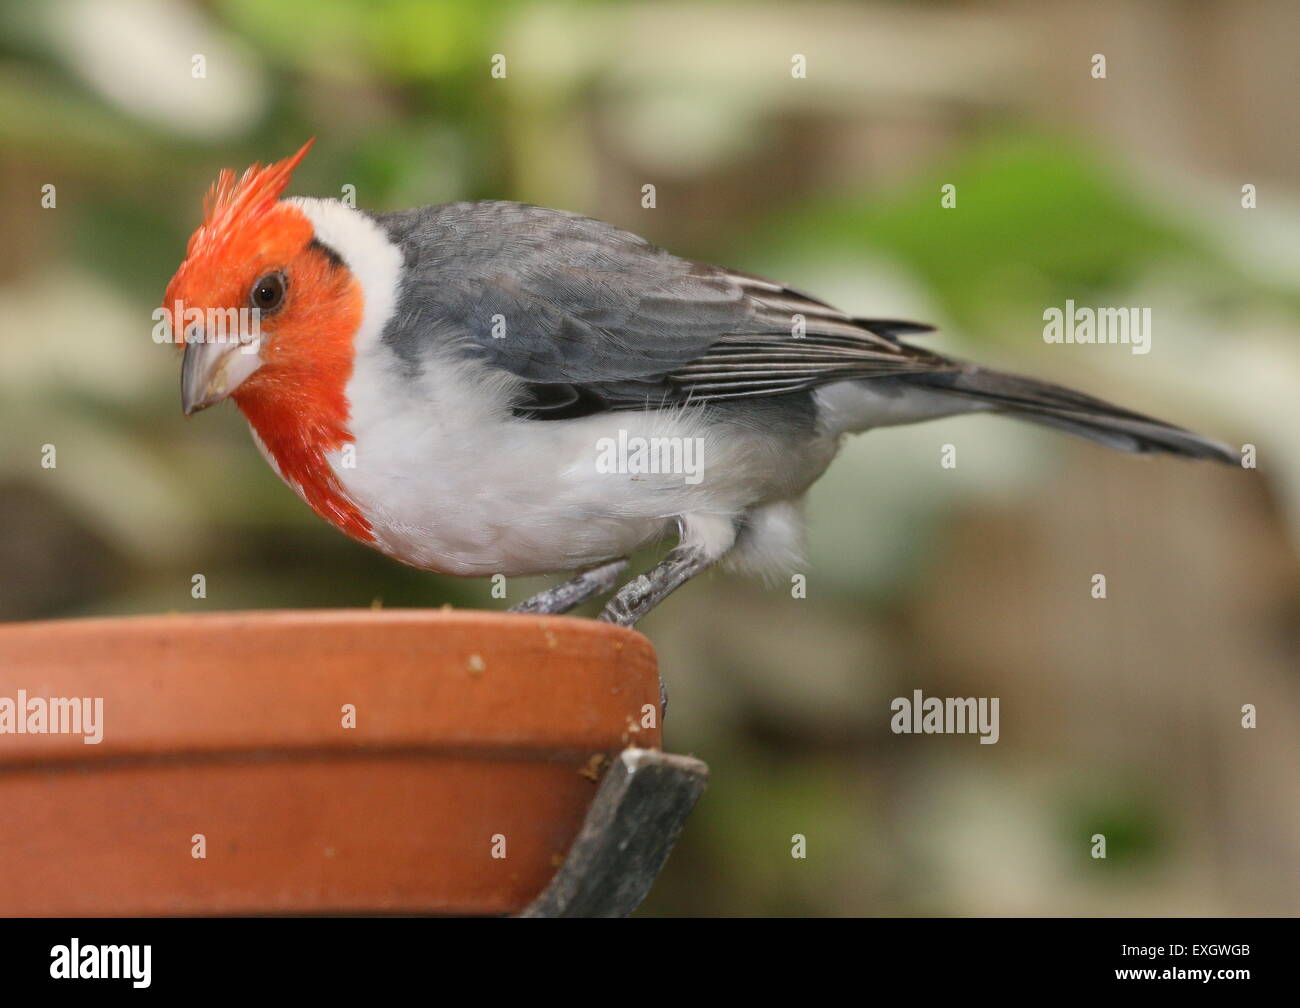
[(1055, 406)]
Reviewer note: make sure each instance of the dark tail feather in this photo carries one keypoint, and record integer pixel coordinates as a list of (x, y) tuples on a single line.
[(1055, 406), (894, 328)]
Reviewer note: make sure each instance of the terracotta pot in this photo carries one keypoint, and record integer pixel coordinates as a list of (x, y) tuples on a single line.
[(475, 733)]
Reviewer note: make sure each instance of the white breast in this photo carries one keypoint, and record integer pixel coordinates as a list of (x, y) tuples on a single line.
[(451, 481)]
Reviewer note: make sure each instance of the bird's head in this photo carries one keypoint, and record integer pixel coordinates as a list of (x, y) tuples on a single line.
[(266, 312)]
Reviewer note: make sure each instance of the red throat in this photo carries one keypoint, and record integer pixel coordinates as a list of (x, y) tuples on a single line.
[(297, 403), (299, 445)]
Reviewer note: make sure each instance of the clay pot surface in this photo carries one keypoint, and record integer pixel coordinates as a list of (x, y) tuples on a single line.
[(474, 734)]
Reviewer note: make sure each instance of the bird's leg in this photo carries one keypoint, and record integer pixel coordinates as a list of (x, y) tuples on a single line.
[(645, 591), (584, 585)]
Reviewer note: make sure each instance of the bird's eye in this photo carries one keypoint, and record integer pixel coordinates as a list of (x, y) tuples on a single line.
[(268, 293)]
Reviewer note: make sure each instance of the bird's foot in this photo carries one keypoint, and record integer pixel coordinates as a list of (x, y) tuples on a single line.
[(645, 591), (586, 584)]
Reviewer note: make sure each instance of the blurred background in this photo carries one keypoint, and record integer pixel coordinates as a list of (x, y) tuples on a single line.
[(1119, 716)]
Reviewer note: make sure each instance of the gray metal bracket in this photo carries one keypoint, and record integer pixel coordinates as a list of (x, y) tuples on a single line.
[(635, 819)]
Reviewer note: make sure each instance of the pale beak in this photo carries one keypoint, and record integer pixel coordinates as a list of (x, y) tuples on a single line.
[(211, 371)]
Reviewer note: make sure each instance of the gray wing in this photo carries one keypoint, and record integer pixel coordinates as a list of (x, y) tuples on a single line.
[(593, 317)]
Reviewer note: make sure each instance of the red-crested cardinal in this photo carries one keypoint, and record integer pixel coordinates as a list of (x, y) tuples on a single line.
[(493, 388)]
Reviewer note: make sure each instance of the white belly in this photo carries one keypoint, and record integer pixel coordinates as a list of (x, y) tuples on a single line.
[(452, 482)]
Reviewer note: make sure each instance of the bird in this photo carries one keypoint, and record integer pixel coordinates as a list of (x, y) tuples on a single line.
[(493, 388)]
